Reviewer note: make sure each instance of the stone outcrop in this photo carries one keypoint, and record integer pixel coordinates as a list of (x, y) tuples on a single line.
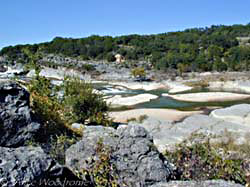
[(16, 122), (137, 161), (234, 119), (25, 165), (30, 166), (238, 86), (11, 71), (119, 58), (239, 114)]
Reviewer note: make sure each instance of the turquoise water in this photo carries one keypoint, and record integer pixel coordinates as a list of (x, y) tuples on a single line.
[(167, 102)]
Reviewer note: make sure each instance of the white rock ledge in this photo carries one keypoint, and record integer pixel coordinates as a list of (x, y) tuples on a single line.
[(208, 96), (129, 101), (240, 86), (176, 87), (239, 114)]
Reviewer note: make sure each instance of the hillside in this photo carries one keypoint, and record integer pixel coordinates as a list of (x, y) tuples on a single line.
[(216, 48)]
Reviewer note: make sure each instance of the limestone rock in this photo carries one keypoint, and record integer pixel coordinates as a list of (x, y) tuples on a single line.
[(167, 134), (30, 166), (16, 121), (133, 154), (77, 126), (242, 86), (239, 114), (118, 100), (208, 97)]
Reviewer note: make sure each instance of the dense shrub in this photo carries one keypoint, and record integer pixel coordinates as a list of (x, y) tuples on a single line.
[(138, 73), (79, 104), (87, 67), (110, 57), (83, 103)]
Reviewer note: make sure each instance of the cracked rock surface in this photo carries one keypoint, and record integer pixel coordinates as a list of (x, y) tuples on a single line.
[(16, 121), (137, 161), (29, 166)]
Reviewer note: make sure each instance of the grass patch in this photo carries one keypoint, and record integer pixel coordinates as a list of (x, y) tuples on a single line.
[(140, 119)]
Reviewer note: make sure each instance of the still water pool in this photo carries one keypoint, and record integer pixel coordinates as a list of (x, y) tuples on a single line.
[(167, 102)]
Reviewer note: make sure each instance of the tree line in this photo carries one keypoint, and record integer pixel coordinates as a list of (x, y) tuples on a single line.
[(218, 48)]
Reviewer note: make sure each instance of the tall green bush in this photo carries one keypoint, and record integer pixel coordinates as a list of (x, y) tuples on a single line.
[(83, 103)]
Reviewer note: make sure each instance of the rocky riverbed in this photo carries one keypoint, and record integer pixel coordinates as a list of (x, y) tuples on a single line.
[(167, 133), (135, 147)]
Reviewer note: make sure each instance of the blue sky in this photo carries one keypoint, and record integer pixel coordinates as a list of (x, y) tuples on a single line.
[(34, 21)]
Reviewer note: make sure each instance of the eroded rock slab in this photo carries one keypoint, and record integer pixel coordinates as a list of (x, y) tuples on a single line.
[(232, 120), (209, 96), (239, 114), (118, 100)]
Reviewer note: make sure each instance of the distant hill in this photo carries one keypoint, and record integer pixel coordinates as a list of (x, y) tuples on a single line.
[(199, 49)]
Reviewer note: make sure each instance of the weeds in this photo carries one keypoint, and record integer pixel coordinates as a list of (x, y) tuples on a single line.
[(140, 119), (103, 172), (203, 160)]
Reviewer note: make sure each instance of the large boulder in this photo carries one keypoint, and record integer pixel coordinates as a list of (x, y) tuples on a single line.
[(30, 166), (137, 161), (16, 121)]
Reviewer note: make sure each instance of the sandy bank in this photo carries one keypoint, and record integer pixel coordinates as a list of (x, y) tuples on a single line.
[(163, 114), (208, 96)]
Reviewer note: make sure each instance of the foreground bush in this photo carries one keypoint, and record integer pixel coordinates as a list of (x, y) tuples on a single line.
[(79, 104)]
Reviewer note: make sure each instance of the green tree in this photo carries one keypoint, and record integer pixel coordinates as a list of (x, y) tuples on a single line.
[(139, 73), (83, 103), (110, 57), (182, 68)]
